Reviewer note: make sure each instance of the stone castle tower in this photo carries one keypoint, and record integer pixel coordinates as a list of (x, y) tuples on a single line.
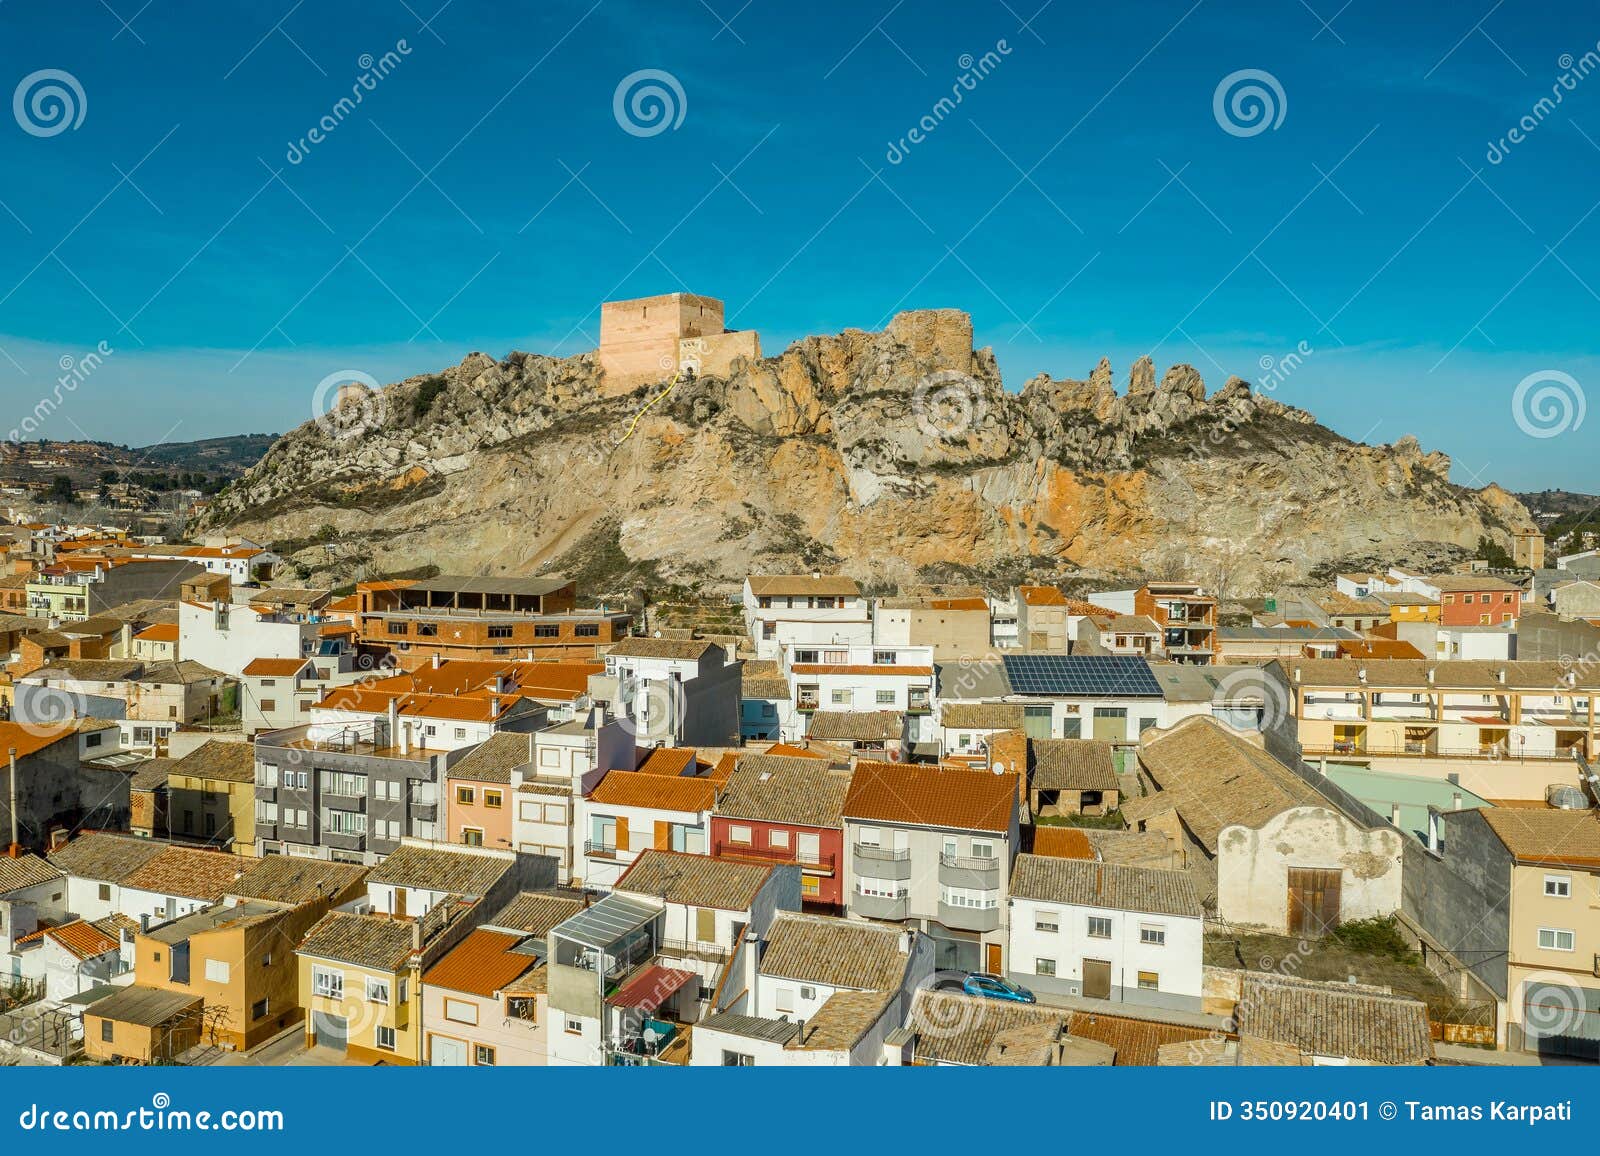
[(650, 339)]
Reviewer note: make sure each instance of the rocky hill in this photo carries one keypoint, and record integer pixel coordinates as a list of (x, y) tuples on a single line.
[(892, 456)]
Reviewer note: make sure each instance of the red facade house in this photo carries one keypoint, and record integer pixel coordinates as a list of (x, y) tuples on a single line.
[(1476, 600), (778, 809)]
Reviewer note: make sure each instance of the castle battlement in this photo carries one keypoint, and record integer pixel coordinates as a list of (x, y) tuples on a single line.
[(650, 339)]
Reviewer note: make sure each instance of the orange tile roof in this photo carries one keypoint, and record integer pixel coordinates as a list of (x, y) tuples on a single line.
[(662, 792), (275, 667), (34, 737), (386, 584), (189, 872), (330, 628), (1379, 648), (792, 752), (1062, 843), (886, 669), (160, 632), (957, 604), (349, 604), (1042, 596), (481, 964), (84, 940), (668, 761), (959, 798)]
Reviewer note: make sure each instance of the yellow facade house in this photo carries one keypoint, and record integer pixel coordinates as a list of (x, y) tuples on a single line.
[(211, 796), (361, 980)]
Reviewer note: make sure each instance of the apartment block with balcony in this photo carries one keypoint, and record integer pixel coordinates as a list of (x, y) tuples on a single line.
[(629, 813), (1187, 615), (931, 847), (458, 617), (1505, 730), (867, 681), (675, 692), (785, 610)]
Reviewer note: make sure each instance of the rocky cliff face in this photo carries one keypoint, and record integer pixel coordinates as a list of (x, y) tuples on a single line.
[(892, 456)]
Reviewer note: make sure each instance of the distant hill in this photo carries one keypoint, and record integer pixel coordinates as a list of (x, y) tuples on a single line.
[(231, 455)]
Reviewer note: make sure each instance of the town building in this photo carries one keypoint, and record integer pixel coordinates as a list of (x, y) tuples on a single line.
[(805, 611)]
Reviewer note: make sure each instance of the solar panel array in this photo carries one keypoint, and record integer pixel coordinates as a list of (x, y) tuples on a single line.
[(1081, 675)]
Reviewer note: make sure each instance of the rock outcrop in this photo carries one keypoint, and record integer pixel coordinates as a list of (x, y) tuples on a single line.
[(892, 456)]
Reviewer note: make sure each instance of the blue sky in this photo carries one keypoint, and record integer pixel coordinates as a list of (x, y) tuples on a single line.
[(1082, 200)]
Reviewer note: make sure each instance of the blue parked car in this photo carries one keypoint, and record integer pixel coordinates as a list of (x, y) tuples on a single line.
[(996, 987)]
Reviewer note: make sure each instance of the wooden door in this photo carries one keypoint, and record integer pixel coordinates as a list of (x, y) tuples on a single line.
[(400, 902), (1097, 978), (992, 962), (1313, 900)]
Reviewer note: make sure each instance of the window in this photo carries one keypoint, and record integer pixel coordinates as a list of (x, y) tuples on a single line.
[(880, 888), (217, 971), (885, 698), (739, 835), (342, 783), (258, 1010), (969, 897), (586, 630), (493, 799), (384, 1038), (784, 1001), (105, 891), (778, 839), (427, 630), (1099, 927), (737, 1060), (982, 849), (870, 837), (1152, 934), (810, 887), (345, 823), (1149, 980), (460, 732), (108, 1031), (399, 627), (461, 1011), (883, 658), (555, 813), (1558, 886), (466, 796), (1555, 939), (472, 836), (808, 847), (269, 705), (483, 1055), (1044, 967), (378, 991), (327, 983), (836, 657), (574, 1026), (840, 697), (505, 631), (1046, 921)]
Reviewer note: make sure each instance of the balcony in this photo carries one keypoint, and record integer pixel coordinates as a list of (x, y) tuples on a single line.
[(266, 794), (344, 841), (599, 850), (880, 907), (820, 864), (882, 862), (917, 705), (969, 918), (966, 871), (341, 802)]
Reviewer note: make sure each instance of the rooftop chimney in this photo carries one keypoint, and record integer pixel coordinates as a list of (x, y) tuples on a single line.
[(1394, 814)]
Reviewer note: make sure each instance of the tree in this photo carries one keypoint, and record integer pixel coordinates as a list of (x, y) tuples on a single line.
[(61, 490)]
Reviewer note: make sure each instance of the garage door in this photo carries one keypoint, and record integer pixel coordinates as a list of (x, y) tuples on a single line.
[(1560, 1018), (330, 1031)]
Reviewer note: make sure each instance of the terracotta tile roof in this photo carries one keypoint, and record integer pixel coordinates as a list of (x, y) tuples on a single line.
[(668, 761), (218, 759), (842, 1020), (1470, 583), (779, 789), (696, 880), (762, 678), (789, 751), (493, 760), (857, 725), (375, 941), (1071, 765), (536, 912), (26, 870), (1378, 648), (104, 857), (1548, 836), (692, 648), (981, 716), (932, 797), (803, 585), (1062, 843), (955, 1028), (1080, 608), (160, 632), (1335, 1019), (83, 940), (836, 952), (349, 604), (481, 964), (276, 667), (457, 872), (289, 879), (1449, 674), (1215, 778), (1041, 595), (1082, 883), (186, 871), (33, 737), (662, 792)]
